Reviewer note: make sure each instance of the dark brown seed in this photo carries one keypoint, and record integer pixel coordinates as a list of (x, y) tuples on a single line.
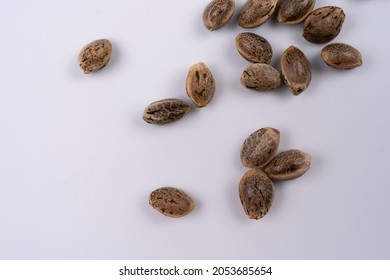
[(254, 48), (260, 147), (323, 24), (288, 165), (296, 70), (95, 55), (165, 111), (256, 12), (217, 13), (260, 76), (171, 202), (341, 56), (293, 11), (200, 84), (256, 193)]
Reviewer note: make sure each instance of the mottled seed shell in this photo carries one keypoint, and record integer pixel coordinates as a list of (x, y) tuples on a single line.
[(200, 84), (256, 12), (171, 202), (296, 70), (293, 11), (165, 111), (95, 55), (254, 48), (260, 76), (256, 193), (260, 147), (323, 24), (217, 13), (288, 165), (341, 56)]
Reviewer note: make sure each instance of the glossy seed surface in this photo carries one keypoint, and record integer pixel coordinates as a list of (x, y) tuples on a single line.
[(256, 12), (217, 13), (95, 55), (260, 76), (341, 56), (253, 47), (293, 11), (166, 111), (200, 84)]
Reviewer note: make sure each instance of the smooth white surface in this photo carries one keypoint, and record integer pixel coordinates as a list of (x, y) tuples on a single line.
[(77, 162)]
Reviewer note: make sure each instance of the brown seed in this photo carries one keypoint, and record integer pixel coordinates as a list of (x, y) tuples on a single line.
[(165, 111), (296, 70), (256, 12), (293, 11), (217, 13), (260, 76), (256, 193), (95, 55), (171, 202), (254, 48), (323, 24), (341, 56), (200, 84), (288, 165), (260, 147)]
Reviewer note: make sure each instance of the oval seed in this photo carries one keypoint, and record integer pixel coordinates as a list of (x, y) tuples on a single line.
[(95, 55), (217, 13), (294, 11), (171, 202), (165, 111), (256, 12), (260, 76), (200, 85), (341, 56), (256, 193), (254, 48)]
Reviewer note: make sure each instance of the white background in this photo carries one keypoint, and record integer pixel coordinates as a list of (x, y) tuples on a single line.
[(77, 162)]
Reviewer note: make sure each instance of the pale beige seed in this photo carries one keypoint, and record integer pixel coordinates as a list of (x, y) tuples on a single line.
[(260, 147), (200, 84), (256, 193), (95, 55), (296, 70), (171, 202), (260, 76), (288, 165), (256, 12), (217, 13), (341, 56), (253, 47), (165, 111), (293, 11)]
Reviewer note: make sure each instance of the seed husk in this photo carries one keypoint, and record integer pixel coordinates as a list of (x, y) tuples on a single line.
[(171, 202), (200, 84), (260, 147), (341, 56), (95, 55), (293, 11), (165, 111), (256, 193), (256, 12), (296, 70), (288, 165), (260, 76), (217, 13), (254, 48)]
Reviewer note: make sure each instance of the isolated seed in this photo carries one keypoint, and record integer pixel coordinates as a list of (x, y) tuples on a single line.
[(260, 76), (200, 84), (296, 70), (323, 24), (260, 147), (171, 202), (95, 55), (165, 111), (254, 48), (256, 12), (256, 193), (293, 11), (341, 56), (288, 165), (217, 13)]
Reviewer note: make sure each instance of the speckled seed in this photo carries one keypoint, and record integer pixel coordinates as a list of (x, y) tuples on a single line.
[(260, 76), (341, 56), (323, 24), (217, 13), (165, 111), (296, 70), (260, 147), (293, 11), (256, 193), (200, 84), (171, 202), (288, 165), (254, 48), (256, 12), (95, 55)]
